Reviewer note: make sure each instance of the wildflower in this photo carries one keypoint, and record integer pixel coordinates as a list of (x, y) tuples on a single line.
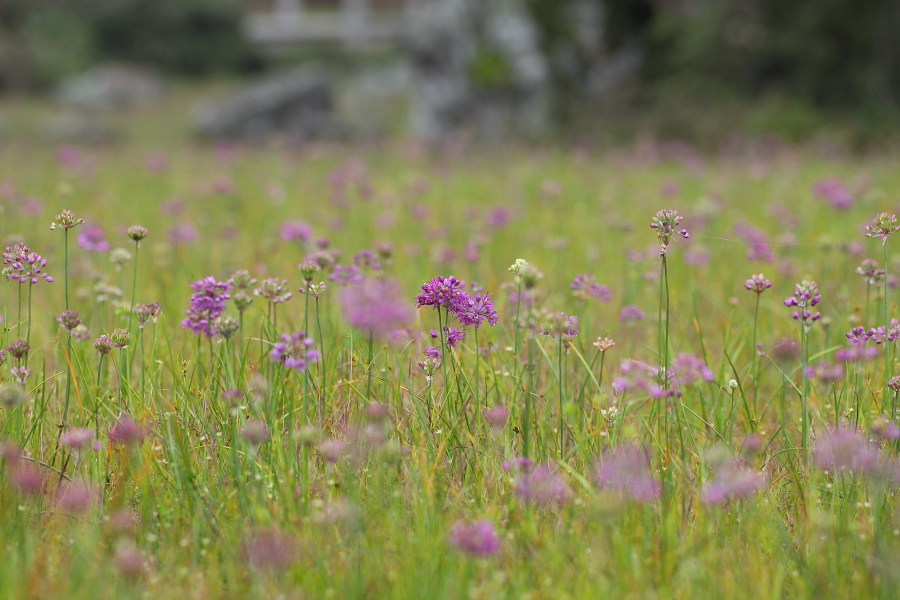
[(757, 283), (75, 497), (885, 429), (474, 310), (127, 431), (66, 220), (270, 549), (242, 300), (69, 319), (806, 296), (375, 306), (825, 371), (542, 485), (496, 416), (255, 432), (182, 233), (81, 332), (241, 280), (630, 312), (25, 266), (118, 257), (332, 449), (11, 395), (688, 368), (883, 225), (129, 561), (25, 477), (476, 538), (845, 449), (869, 271), (697, 256), (106, 292), (603, 344), (296, 231), (120, 338), (431, 363), (758, 242), (733, 481), (345, 275), (226, 326), (207, 303), (92, 239), (137, 233), (18, 349), (452, 336), (497, 217), (584, 286), (76, 437), (273, 290), (558, 325), (103, 344), (665, 223), (366, 259), (835, 192), (626, 471), (447, 292), (294, 351), (146, 312), (308, 270), (526, 274)]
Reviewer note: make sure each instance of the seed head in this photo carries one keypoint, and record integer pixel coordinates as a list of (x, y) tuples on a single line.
[(137, 233), (66, 220), (666, 222)]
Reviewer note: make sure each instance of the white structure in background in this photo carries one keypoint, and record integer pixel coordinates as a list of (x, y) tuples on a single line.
[(352, 22)]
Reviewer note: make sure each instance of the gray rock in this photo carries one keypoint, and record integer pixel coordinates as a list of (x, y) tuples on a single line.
[(111, 87), (297, 104), (79, 128)]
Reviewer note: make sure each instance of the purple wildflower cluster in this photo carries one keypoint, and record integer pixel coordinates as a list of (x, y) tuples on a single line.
[(23, 265), (625, 470), (92, 239), (756, 238), (733, 481), (806, 296), (374, 305), (757, 283), (868, 270), (207, 303), (883, 225), (834, 190), (478, 538), (585, 286), (294, 351), (666, 222)]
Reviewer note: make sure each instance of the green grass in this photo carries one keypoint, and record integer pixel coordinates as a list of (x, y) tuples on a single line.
[(375, 524)]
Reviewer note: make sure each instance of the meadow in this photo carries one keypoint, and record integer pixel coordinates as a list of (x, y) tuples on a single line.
[(384, 371)]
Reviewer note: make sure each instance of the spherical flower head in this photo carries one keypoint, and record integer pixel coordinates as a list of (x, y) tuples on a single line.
[(144, 313), (442, 292), (375, 306), (496, 416), (207, 303), (806, 295), (542, 485), (894, 383), (475, 310), (20, 374), (103, 344), (631, 312), (757, 283), (332, 449), (92, 239), (255, 432), (452, 336), (885, 429), (66, 220), (120, 338), (883, 225), (294, 351), (241, 280), (242, 300), (75, 497), (269, 550), (81, 332), (119, 256), (226, 326), (24, 266), (76, 437), (733, 481), (585, 286), (845, 449), (526, 274), (11, 395), (825, 371), (868, 270), (308, 270), (366, 259), (18, 349), (274, 290), (69, 319), (666, 222), (137, 233), (127, 431), (477, 538), (345, 275), (560, 326)]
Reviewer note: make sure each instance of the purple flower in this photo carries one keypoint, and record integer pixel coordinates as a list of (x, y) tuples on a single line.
[(626, 471), (452, 335), (733, 481), (296, 231), (92, 239), (474, 310), (498, 217), (496, 416), (69, 319), (24, 265), (374, 306), (66, 219), (294, 351), (345, 275), (630, 312), (255, 432), (433, 353), (475, 538), (825, 371), (757, 240), (146, 312), (885, 429), (448, 292), (806, 296), (869, 271), (127, 431), (542, 485), (560, 326), (757, 283), (585, 286), (835, 192), (76, 437), (207, 303), (666, 222), (182, 233), (687, 368), (274, 290), (366, 259), (883, 225), (845, 449)]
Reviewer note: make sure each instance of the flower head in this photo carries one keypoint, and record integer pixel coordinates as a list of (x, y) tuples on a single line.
[(207, 303), (806, 296), (69, 319), (666, 222), (442, 292), (66, 219), (474, 310), (869, 271), (585, 286), (558, 325), (374, 305), (626, 471), (526, 274), (845, 449), (296, 231), (757, 283), (294, 351), (733, 481), (542, 485), (478, 538), (146, 312), (137, 233), (274, 290), (24, 266), (92, 239), (883, 225)]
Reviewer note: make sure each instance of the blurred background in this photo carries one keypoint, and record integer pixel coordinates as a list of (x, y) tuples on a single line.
[(592, 71)]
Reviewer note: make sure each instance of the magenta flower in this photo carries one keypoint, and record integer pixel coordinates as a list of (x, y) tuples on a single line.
[(345, 275), (127, 431), (294, 351), (883, 225), (630, 312), (475, 538), (733, 481), (585, 286), (274, 290), (869, 271), (806, 296), (542, 485), (448, 292), (825, 371), (560, 326), (76, 437), (845, 449), (374, 306), (182, 233), (475, 310), (296, 231), (24, 265), (757, 283), (92, 239), (207, 303), (835, 192), (688, 368), (757, 240), (626, 471)]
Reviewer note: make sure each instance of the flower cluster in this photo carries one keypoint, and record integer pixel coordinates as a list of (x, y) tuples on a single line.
[(757, 283), (883, 225), (274, 290), (294, 351), (146, 312), (733, 481), (585, 286), (24, 265), (66, 219), (626, 471), (477, 538), (666, 222), (806, 296), (374, 305), (92, 239), (835, 192), (207, 303), (241, 282), (757, 240), (526, 274), (868, 270), (560, 326)]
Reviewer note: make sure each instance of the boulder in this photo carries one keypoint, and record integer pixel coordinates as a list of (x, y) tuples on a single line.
[(111, 87)]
